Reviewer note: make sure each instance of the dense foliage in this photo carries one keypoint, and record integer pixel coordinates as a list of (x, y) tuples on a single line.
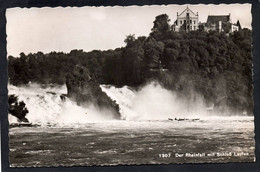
[(216, 65)]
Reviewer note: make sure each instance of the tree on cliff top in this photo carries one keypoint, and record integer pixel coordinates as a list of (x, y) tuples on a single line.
[(161, 27)]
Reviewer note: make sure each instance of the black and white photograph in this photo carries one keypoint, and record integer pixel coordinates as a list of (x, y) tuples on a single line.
[(130, 85)]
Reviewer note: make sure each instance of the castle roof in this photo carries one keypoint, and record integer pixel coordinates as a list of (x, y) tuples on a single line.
[(239, 25), (215, 19), (187, 10)]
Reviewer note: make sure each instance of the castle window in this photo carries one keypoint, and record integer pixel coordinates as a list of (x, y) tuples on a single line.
[(190, 21), (194, 22), (180, 21)]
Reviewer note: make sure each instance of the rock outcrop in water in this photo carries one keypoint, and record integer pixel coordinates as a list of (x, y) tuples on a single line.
[(17, 108), (85, 90)]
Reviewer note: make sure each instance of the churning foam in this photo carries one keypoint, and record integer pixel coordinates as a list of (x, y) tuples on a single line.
[(151, 102), (46, 107)]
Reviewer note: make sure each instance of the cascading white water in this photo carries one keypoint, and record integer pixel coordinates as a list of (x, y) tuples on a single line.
[(151, 102), (45, 106)]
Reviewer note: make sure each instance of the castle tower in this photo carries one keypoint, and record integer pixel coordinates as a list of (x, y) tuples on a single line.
[(186, 20)]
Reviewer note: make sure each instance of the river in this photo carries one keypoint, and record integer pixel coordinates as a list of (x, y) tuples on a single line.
[(65, 134), (134, 142)]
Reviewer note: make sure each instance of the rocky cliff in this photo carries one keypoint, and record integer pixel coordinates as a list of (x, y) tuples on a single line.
[(85, 90)]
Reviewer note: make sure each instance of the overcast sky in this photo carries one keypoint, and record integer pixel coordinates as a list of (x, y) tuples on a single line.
[(30, 30)]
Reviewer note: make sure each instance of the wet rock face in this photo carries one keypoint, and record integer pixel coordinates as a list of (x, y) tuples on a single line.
[(17, 108), (84, 90)]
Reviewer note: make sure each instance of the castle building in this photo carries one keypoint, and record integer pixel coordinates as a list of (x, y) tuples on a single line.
[(221, 23), (189, 21), (186, 21)]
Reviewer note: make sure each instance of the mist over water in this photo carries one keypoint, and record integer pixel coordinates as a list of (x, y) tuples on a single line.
[(151, 102)]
